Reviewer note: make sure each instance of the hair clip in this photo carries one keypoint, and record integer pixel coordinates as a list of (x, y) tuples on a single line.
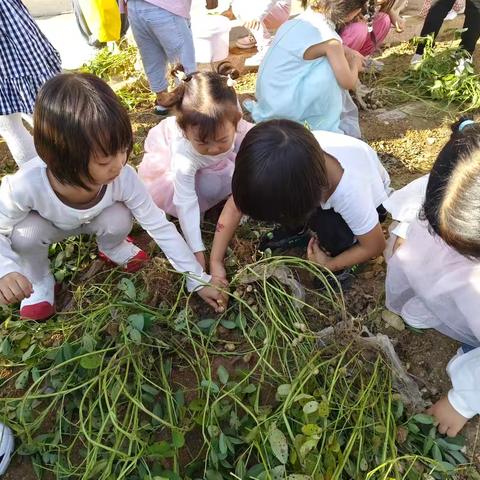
[(464, 124), (180, 75), (230, 81)]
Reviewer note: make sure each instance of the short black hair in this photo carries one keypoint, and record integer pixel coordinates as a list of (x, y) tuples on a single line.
[(279, 173), (452, 200), (76, 116)]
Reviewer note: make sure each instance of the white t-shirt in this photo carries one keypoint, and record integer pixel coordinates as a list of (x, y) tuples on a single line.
[(29, 190), (364, 185)]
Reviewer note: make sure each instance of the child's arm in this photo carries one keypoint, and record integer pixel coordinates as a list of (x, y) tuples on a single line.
[(368, 246), (345, 68), (226, 226), (136, 198)]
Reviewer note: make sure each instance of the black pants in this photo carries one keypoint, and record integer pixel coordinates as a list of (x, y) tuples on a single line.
[(334, 235), (437, 15)]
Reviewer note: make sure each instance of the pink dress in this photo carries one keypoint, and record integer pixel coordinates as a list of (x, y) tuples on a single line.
[(183, 182)]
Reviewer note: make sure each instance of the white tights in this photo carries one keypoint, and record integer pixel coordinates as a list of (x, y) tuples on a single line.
[(18, 138)]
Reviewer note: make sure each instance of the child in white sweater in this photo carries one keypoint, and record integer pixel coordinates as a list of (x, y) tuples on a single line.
[(433, 278), (79, 184)]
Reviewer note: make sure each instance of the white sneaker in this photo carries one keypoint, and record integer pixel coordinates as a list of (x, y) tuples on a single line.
[(416, 60), (452, 15), (40, 305), (6, 447), (255, 60)]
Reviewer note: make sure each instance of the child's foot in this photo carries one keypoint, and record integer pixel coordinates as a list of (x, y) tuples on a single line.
[(416, 60), (6, 447), (127, 254), (246, 42), (283, 238), (40, 305)]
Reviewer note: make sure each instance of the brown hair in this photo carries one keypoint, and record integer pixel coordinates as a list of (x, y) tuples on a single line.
[(279, 173), (204, 99), (336, 10), (77, 115), (452, 200)]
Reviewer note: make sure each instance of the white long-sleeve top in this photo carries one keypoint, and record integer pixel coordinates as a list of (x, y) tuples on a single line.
[(430, 284), (29, 190)]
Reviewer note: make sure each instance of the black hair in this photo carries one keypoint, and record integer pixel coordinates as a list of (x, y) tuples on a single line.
[(279, 173), (452, 200), (204, 99), (77, 116)]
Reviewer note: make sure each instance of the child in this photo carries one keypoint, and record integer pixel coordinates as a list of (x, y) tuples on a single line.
[(260, 17), (80, 184), (6, 447), (433, 278), (330, 183), (27, 60), (368, 32), (161, 29), (306, 73), (189, 159)]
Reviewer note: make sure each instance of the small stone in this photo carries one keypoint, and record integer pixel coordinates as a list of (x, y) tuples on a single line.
[(230, 347), (393, 320), (431, 140)]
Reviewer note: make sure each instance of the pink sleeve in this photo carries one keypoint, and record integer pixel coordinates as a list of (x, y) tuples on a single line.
[(242, 128)]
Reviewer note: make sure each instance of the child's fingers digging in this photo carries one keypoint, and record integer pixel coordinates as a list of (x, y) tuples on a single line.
[(24, 285)]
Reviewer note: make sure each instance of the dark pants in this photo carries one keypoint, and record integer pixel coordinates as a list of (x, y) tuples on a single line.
[(437, 15), (334, 235)]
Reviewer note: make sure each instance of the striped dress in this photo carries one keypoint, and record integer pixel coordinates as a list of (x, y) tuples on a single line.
[(27, 58)]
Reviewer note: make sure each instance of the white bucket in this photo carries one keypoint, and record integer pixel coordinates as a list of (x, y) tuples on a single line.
[(211, 37)]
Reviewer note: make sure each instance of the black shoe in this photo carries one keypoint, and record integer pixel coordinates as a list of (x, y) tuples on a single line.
[(283, 238), (342, 279)]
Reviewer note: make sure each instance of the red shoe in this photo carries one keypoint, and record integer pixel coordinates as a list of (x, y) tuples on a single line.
[(37, 312), (135, 262), (40, 305)]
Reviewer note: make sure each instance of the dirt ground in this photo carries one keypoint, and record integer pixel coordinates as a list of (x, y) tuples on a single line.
[(407, 147)]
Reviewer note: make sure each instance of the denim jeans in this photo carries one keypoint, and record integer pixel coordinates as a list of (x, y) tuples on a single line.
[(162, 37)]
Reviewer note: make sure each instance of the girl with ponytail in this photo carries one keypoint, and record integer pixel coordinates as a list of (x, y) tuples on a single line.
[(189, 158), (368, 31), (433, 277)]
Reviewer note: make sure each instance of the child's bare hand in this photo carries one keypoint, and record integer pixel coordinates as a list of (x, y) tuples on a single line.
[(450, 422), (214, 297), (316, 254), (217, 270), (200, 256), (14, 287), (354, 58)]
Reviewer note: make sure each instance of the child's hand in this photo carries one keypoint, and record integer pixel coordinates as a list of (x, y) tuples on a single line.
[(316, 254), (252, 25), (211, 4), (200, 256), (450, 422), (217, 271), (14, 287), (354, 58), (214, 297)]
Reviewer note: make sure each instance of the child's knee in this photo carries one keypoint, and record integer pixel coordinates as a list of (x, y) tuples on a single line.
[(114, 220), (355, 35), (32, 232)]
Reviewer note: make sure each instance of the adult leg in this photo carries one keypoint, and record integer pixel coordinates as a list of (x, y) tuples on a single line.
[(472, 24), (434, 20), (18, 138)]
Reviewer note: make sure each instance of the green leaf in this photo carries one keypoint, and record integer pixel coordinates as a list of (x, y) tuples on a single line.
[(307, 447), (5, 347), (149, 389), (279, 445), (88, 343), (137, 321), (324, 409), (22, 380), (35, 374), (209, 385), (284, 390), (135, 335), (310, 407), (223, 375), (228, 324), (128, 288), (206, 323), (160, 449), (241, 321), (213, 475), (423, 418), (29, 352), (250, 388), (222, 444), (91, 362), (278, 473), (178, 439), (311, 429), (297, 476), (427, 445), (436, 453)]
